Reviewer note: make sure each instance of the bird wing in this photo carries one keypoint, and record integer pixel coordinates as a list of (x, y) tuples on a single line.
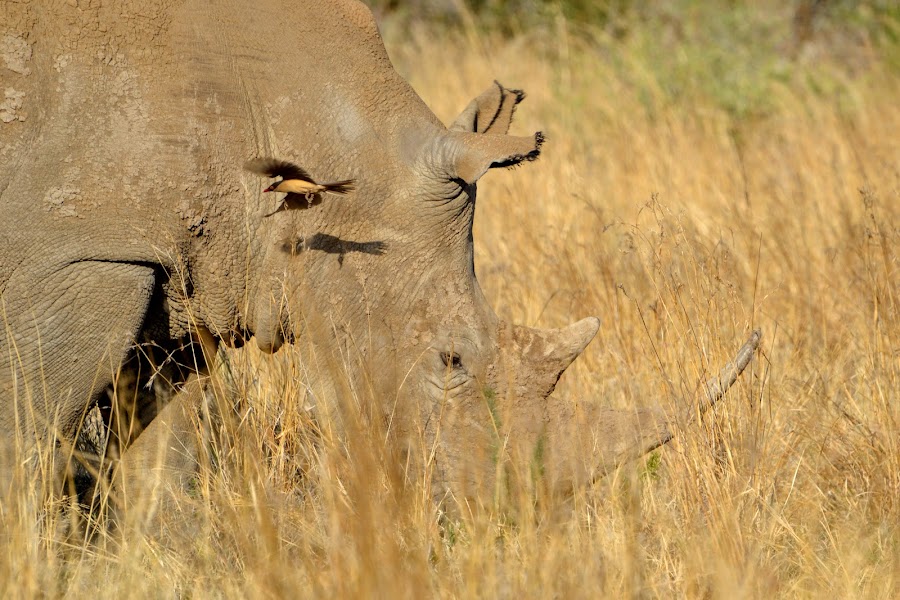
[(273, 167)]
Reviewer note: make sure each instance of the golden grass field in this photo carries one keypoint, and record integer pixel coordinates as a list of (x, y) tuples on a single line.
[(683, 222)]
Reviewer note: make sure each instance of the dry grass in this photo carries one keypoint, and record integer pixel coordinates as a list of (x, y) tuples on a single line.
[(682, 226)]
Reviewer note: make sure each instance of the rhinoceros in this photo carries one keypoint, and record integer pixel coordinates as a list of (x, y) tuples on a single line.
[(129, 229)]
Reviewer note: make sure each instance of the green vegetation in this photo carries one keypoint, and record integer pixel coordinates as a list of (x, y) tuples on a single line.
[(652, 466), (739, 55)]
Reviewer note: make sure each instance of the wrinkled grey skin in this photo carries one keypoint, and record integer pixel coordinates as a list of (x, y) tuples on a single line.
[(125, 215)]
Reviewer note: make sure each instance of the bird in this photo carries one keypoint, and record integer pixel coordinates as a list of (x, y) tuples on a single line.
[(296, 183)]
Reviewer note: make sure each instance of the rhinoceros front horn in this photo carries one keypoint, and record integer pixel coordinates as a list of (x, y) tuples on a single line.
[(588, 440)]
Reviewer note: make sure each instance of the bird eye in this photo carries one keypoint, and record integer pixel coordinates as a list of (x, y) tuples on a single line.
[(451, 359)]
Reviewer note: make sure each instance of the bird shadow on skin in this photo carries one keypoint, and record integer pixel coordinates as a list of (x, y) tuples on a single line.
[(332, 245)]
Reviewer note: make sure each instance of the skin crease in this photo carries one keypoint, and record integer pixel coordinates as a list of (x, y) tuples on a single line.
[(125, 215)]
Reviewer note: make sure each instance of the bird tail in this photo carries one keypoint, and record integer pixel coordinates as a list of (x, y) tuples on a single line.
[(340, 187)]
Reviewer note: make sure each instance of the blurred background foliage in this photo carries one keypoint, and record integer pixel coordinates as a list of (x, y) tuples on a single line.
[(738, 54)]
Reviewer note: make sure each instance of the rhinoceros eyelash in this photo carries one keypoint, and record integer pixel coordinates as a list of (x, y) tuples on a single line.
[(451, 359)]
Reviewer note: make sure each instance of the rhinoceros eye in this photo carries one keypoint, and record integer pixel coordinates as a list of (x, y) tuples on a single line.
[(451, 359)]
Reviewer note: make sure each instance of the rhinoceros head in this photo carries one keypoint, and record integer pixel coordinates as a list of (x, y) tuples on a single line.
[(382, 282), (387, 278)]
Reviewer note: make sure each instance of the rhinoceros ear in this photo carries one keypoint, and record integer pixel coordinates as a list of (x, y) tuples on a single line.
[(469, 155), (491, 112)]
